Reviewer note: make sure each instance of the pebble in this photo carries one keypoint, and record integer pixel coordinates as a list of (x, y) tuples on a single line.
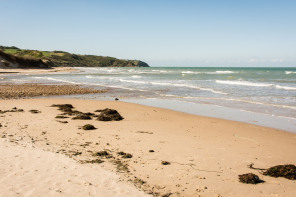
[(32, 90)]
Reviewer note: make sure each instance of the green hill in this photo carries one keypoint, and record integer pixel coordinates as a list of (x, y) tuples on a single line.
[(65, 59)]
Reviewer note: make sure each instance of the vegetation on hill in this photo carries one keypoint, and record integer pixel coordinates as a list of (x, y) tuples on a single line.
[(12, 61), (65, 59)]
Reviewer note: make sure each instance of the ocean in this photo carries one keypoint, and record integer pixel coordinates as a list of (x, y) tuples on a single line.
[(258, 92)]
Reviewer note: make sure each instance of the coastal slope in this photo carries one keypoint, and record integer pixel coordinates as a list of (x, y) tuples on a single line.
[(12, 62), (23, 58)]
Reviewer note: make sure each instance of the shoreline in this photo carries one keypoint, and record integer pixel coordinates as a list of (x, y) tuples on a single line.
[(36, 70), (286, 124), (215, 111), (206, 155), (203, 109)]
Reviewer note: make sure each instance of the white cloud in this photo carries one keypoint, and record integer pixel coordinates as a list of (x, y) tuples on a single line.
[(256, 60), (278, 60)]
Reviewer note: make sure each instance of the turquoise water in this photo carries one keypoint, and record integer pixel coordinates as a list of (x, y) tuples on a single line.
[(270, 91)]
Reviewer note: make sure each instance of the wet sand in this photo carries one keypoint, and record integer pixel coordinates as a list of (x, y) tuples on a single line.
[(159, 151)]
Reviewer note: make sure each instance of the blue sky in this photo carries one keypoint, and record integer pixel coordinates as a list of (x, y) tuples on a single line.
[(159, 32)]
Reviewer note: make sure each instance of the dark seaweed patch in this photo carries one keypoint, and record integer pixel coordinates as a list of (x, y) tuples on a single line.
[(103, 154), (125, 155), (165, 163), (286, 171), (82, 117), (109, 115), (13, 110), (61, 117), (98, 161), (64, 107), (121, 167), (249, 178), (35, 111), (88, 127)]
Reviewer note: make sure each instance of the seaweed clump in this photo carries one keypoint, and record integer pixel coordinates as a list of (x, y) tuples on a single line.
[(249, 178), (125, 155), (35, 111), (121, 167), (138, 182), (64, 122), (68, 110), (82, 117), (103, 154), (13, 110), (98, 161), (165, 163), (88, 127), (287, 171), (61, 116), (64, 107), (109, 115)]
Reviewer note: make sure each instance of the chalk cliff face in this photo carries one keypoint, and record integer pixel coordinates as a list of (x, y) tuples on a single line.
[(15, 57)]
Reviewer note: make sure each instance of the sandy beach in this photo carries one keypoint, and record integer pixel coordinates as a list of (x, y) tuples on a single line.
[(27, 171), (148, 98), (158, 151)]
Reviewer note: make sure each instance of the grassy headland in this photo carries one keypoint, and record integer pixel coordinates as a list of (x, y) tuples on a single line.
[(65, 59)]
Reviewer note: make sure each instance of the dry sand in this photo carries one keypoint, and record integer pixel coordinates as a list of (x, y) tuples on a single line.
[(27, 171), (206, 155)]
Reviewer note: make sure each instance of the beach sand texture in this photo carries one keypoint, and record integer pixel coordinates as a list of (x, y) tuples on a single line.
[(16, 91), (205, 155), (27, 171)]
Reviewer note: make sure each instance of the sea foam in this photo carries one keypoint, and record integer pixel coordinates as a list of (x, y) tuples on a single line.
[(243, 83), (224, 72), (285, 87), (290, 72)]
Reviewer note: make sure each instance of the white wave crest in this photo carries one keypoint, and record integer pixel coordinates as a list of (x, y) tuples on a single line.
[(131, 81), (189, 72), (161, 71), (285, 87), (289, 72), (189, 86), (136, 76), (174, 85), (224, 72), (243, 83), (220, 72), (19, 80), (58, 80)]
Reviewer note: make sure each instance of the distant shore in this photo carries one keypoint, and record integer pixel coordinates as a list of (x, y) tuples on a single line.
[(159, 151)]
